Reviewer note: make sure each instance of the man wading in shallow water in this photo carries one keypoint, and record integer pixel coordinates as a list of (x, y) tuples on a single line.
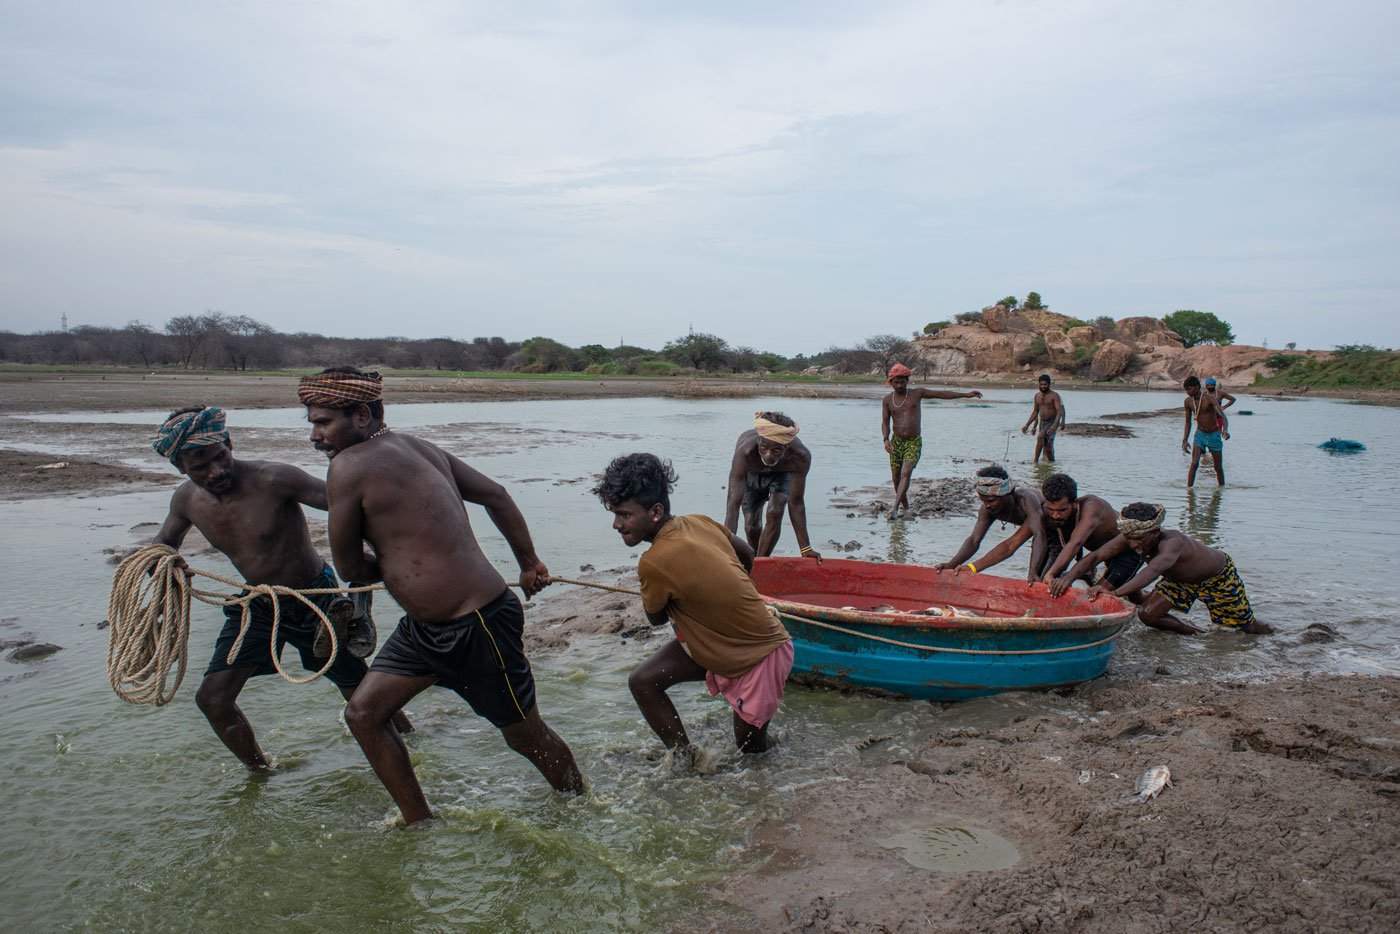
[(463, 630), (1190, 571), (902, 412), (695, 575), (767, 475), (1047, 418), (251, 511), (1205, 409)]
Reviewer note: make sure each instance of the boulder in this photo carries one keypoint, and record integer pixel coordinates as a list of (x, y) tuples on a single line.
[(1059, 346), (1111, 360), (940, 361), (994, 319), (1084, 334), (1142, 333)]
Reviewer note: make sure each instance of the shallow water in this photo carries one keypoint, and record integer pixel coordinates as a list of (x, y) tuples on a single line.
[(134, 819)]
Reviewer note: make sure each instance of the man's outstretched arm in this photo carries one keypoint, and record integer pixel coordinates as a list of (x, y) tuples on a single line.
[(476, 487)]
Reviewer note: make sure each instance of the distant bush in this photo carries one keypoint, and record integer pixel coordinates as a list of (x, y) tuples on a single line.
[(1074, 323), (658, 368), (1356, 350), (933, 327), (968, 317), (1106, 325), (1035, 353), (1281, 361)]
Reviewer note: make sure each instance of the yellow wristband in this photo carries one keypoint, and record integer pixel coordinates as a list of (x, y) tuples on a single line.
[(804, 549), (971, 567)]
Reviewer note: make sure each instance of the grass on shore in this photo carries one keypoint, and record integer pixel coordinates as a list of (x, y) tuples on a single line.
[(1350, 367)]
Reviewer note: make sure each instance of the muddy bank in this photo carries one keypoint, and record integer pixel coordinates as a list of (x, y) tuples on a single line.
[(1090, 430), (944, 496), (1283, 816), (107, 392), (25, 476)]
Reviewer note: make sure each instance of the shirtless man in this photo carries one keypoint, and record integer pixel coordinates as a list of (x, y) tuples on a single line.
[(1047, 418), (463, 626), (902, 411), (1189, 571), (1078, 522), (251, 511), (1204, 408), (1003, 500), (767, 475), (1224, 398)]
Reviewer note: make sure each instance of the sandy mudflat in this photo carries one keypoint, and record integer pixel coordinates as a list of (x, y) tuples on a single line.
[(1284, 815)]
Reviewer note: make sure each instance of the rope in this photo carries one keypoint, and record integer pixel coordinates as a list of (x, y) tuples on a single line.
[(149, 612), (874, 638)]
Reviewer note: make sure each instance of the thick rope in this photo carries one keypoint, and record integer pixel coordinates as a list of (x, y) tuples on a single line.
[(874, 638), (149, 613)]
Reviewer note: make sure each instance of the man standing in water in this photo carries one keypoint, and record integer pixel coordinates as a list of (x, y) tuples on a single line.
[(1204, 408), (464, 627), (252, 512), (901, 414), (1224, 398), (1189, 571), (1003, 500), (1047, 418), (767, 476), (695, 575), (1076, 522)]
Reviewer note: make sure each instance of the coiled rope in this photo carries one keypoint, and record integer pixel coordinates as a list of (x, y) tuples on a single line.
[(149, 614)]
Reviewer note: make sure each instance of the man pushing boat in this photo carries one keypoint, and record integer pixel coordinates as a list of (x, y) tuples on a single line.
[(1189, 571), (767, 476), (1003, 500), (251, 511), (1077, 522), (695, 576)]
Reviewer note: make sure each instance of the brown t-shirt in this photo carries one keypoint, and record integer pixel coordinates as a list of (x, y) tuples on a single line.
[(693, 575)]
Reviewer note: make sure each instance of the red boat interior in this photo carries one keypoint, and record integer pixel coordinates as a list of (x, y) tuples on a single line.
[(913, 589)]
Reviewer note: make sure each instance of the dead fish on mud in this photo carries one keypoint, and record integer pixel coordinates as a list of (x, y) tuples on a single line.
[(1151, 783)]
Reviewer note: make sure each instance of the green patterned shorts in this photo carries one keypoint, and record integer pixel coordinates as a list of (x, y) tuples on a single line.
[(1223, 595), (905, 451)]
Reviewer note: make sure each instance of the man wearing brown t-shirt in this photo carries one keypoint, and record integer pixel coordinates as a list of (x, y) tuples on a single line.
[(695, 575)]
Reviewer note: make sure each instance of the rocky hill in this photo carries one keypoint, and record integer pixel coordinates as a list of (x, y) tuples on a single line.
[(1139, 350)]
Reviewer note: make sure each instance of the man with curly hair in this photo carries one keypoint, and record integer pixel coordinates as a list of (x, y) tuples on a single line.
[(695, 576)]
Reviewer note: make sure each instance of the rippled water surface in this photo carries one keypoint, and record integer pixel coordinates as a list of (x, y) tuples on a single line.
[(137, 819)]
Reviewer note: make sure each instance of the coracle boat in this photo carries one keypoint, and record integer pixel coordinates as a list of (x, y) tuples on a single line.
[(938, 635)]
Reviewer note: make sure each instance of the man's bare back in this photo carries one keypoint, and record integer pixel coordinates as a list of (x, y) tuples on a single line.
[(405, 497)]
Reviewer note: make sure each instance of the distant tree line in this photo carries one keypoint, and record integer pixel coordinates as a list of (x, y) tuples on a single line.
[(219, 341)]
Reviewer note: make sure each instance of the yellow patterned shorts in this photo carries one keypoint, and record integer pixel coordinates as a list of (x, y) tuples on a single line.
[(905, 451), (1223, 595)]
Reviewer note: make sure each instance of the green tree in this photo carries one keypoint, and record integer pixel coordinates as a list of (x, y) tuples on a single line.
[(1033, 302), (1010, 302), (698, 351), (1199, 327)]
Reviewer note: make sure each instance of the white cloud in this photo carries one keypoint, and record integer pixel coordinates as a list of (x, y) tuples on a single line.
[(788, 177)]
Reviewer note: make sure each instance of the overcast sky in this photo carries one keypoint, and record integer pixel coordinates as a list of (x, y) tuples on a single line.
[(786, 175)]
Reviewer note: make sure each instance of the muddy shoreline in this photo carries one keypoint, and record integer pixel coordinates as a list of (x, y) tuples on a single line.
[(1283, 816)]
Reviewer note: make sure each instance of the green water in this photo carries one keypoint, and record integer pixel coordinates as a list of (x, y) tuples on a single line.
[(122, 818)]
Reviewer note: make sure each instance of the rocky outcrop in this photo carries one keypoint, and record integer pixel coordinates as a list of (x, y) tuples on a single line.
[(1144, 334), (1111, 360), (1060, 348), (1143, 350)]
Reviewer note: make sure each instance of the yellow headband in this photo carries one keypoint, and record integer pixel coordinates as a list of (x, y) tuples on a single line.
[(782, 434)]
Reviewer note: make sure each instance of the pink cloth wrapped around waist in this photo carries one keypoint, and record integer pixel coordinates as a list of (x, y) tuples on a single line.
[(756, 694)]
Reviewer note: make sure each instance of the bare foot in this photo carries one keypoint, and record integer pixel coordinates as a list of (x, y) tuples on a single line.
[(1257, 628)]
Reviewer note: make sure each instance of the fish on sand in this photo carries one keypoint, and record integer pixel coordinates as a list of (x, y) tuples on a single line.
[(1151, 783)]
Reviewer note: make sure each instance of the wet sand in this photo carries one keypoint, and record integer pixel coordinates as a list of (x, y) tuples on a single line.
[(1284, 814)]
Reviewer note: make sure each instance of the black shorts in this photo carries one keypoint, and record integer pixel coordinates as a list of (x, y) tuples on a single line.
[(298, 625), (1120, 569), (758, 487), (1053, 547), (481, 656)]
